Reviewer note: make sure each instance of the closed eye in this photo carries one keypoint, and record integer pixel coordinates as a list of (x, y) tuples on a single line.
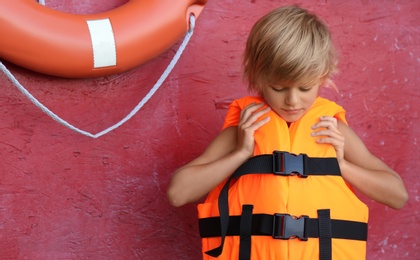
[(278, 89), (303, 89)]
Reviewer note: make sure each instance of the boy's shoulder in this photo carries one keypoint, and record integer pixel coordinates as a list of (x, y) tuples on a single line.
[(244, 101), (326, 107), (321, 101)]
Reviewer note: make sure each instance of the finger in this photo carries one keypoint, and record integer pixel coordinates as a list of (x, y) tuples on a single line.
[(252, 107), (329, 124), (255, 126), (251, 119), (330, 119), (321, 134), (338, 144), (333, 141), (322, 127), (249, 110)]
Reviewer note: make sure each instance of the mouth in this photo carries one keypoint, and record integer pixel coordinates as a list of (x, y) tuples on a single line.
[(292, 111)]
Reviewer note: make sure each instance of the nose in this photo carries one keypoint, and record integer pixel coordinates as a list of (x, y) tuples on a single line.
[(292, 97)]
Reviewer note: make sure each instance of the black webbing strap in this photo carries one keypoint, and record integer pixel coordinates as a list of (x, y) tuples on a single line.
[(286, 164), (245, 232), (325, 234), (278, 163), (265, 225)]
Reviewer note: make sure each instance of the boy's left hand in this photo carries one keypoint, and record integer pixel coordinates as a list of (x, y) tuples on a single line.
[(328, 133)]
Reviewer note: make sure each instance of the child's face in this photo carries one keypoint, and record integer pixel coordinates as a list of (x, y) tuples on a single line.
[(290, 101)]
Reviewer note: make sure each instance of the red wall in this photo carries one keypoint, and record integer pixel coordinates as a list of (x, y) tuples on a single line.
[(67, 196)]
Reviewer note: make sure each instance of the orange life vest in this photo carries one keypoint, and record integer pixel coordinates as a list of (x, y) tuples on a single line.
[(272, 194)]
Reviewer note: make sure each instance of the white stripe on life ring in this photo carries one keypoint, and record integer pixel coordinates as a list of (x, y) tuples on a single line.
[(103, 43)]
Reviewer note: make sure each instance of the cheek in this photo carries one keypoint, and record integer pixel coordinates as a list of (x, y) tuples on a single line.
[(310, 97), (276, 102)]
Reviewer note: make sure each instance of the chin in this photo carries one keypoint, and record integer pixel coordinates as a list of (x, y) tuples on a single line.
[(291, 119)]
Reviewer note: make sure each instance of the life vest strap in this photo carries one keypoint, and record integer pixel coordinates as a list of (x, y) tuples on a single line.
[(325, 234), (268, 225), (288, 164), (279, 163), (245, 232)]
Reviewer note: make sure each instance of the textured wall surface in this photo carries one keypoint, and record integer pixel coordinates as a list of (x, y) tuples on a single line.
[(67, 196)]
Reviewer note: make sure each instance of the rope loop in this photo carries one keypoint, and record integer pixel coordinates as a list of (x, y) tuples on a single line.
[(146, 98)]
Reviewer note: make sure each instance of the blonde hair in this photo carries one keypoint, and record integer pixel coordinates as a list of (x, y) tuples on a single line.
[(289, 44)]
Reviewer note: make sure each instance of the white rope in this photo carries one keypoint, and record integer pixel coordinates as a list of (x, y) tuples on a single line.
[(126, 118)]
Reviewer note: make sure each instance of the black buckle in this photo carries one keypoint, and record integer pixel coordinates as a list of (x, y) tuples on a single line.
[(288, 164), (286, 227)]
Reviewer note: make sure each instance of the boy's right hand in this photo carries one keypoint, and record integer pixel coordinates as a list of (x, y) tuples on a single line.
[(251, 119)]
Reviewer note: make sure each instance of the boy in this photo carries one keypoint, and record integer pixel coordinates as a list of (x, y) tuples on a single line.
[(279, 176)]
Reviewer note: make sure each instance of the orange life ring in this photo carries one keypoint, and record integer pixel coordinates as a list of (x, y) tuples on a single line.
[(93, 45)]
